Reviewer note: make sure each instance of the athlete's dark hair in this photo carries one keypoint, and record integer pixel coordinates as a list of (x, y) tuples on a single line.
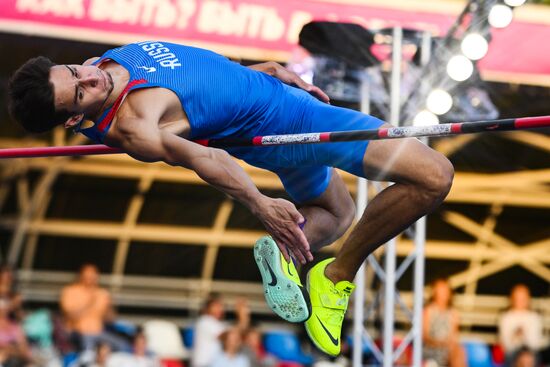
[(31, 97)]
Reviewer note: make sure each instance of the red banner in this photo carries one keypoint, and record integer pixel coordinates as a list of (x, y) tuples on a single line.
[(263, 29)]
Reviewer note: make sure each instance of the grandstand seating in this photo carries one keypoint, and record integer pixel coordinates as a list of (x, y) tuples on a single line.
[(286, 346), (478, 354)]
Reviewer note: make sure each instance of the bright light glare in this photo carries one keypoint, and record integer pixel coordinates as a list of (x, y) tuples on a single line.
[(425, 118), (439, 102), (500, 16), (460, 68), (514, 2), (474, 46)]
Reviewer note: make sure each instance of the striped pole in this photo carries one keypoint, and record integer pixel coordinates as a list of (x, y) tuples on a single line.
[(456, 128)]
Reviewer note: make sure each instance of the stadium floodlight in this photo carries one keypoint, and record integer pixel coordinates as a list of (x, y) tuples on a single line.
[(474, 46), (514, 3), (425, 118), (500, 16), (460, 68), (439, 101)]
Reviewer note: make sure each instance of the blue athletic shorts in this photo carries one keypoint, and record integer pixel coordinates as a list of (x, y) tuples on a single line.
[(305, 170)]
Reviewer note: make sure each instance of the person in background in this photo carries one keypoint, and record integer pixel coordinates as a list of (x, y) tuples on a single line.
[(210, 326), (100, 359), (525, 357), (86, 306), (9, 291), (441, 328), (254, 350), (520, 326), (14, 350), (232, 355), (139, 358)]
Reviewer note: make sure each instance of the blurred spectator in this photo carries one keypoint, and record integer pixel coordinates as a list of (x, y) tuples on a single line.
[(524, 358), (440, 328), (210, 326), (140, 352), (14, 350), (139, 358), (103, 352), (86, 307), (9, 291), (520, 326), (254, 350), (99, 359), (232, 355), (38, 328)]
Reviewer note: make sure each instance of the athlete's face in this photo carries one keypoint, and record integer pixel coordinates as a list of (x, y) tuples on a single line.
[(82, 90)]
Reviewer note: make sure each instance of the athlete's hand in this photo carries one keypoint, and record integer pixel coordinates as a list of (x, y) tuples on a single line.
[(288, 77), (281, 219)]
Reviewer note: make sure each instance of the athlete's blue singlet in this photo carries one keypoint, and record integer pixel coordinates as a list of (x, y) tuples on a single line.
[(222, 98)]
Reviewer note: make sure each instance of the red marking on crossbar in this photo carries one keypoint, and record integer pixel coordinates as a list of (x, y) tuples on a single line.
[(57, 151), (456, 128), (257, 140), (530, 122), (383, 132), (324, 137), (202, 142)]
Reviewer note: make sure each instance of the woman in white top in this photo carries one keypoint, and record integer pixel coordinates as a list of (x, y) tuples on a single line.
[(210, 326), (520, 326)]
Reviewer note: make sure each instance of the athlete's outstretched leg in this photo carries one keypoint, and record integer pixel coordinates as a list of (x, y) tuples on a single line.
[(422, 179)]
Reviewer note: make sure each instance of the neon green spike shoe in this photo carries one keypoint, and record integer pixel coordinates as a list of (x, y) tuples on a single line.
[(329, 303), (283, 290)]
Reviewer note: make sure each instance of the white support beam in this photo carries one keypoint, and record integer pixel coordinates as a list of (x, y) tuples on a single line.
[(539, 141), (527, 189), (482, 243), (32, 239), (39, 195), (130, 220), (213, 245)]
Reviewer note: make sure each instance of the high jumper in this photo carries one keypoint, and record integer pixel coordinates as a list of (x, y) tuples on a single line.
[(153, 99)]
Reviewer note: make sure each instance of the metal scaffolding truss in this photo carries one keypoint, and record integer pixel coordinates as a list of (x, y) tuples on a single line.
[(388, 298)]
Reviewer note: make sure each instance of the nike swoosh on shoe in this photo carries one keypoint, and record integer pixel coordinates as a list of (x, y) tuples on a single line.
[(332, 339), (288, 268), (273, 277)]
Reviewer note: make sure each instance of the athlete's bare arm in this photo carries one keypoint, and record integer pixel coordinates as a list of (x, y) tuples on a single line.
[(288, 77), (137, 132)]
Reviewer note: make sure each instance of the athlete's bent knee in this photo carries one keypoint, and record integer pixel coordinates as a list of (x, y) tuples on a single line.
[(438, 181), (347, 218), (344, 216)]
